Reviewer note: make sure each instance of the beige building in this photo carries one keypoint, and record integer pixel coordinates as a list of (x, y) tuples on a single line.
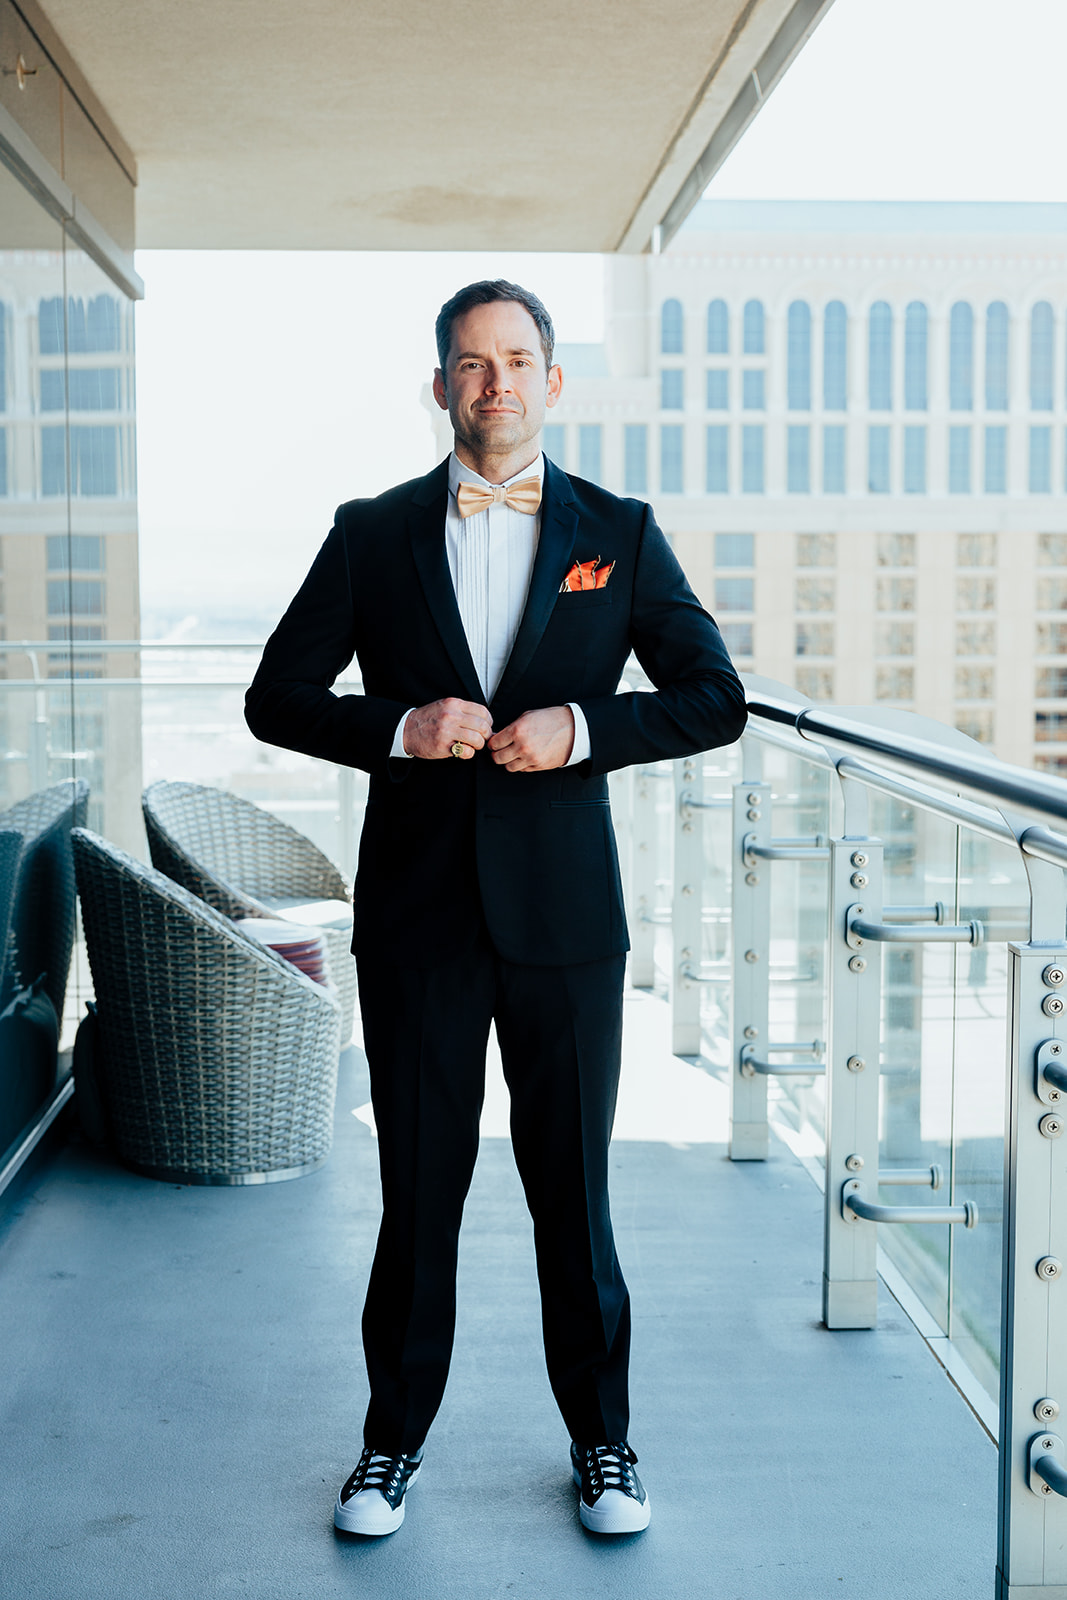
[(851, 417)]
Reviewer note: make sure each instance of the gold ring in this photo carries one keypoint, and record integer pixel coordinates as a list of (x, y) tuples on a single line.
[(458, 748)]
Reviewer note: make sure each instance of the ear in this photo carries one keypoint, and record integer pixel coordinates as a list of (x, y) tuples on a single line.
[(439, 393), (555, 385)]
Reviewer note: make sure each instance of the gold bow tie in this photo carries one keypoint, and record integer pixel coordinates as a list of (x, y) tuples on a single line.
[(522, 496)]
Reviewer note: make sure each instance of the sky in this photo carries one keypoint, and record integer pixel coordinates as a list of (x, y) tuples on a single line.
[(273, 385)]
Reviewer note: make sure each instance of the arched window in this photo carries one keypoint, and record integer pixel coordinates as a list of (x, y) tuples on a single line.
[(996, 357), (671, 328), (835, 356), (798, 356), (961, 357), (753, 330), (718, 329), (1041, 357), (915, 325), (880, 357)]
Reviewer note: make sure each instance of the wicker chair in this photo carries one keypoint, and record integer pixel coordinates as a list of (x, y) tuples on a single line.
[(247, 863), (41, 935), (213, 1060)]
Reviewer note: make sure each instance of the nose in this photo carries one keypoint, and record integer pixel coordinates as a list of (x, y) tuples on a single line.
[(497, 378)]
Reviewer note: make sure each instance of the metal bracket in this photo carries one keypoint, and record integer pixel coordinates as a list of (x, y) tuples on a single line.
[(809, 849), (931, 1177), (930, 913), (854, 1206), (1047, 1473), (707, 972), (857, 931), (1051, 1076), (751, 1064), (687, 802)]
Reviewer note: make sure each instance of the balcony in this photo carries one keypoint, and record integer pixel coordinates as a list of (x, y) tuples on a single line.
[(834, 925)]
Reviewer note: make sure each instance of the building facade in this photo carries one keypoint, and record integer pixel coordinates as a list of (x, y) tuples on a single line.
[(851, 418)]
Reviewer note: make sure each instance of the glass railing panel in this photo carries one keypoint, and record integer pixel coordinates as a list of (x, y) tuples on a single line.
[(993, 888), (799, 919), (918, 1033), (721, 770), (663, 851)]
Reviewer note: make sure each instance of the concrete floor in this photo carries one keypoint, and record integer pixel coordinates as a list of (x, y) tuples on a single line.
[(183, 1391)]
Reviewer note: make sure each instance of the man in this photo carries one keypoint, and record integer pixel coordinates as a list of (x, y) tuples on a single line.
[(491, 606)]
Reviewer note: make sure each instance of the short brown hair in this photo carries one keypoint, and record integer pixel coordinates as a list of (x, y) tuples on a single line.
[(486, 293)]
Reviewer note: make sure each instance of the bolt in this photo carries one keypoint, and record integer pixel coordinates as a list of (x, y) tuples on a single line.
[(1054, 1095), (1053, 1005), (751, 1033), (857, 964), (859, 858), (1049, 1268), (1050, 1126), (1055, 1049), (754, 799), (687, 827), (752, 878), (1046, 1410), (1053, 976), (753, 815), (854, 1163), (855, 1063), (747, 1070), (1046, 1444), (687, 888), (859, 880), (751, 956)]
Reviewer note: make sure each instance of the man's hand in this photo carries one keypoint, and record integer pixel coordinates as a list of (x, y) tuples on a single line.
[(431, 731), (535, 742)]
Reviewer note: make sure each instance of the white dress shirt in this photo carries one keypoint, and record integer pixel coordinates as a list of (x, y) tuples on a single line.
[(491, 557)]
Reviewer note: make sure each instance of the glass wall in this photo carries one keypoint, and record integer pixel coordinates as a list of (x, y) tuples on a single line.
[(69, 708)]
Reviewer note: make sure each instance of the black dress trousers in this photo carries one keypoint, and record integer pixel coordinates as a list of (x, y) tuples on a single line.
[(560, 1035)]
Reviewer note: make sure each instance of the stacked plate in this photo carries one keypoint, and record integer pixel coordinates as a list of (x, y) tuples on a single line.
[(299, 945)]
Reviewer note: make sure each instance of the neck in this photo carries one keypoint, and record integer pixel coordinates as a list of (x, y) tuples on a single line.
[(498, 468)]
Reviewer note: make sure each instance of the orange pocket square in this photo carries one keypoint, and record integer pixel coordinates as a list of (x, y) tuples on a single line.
[(586, 575)]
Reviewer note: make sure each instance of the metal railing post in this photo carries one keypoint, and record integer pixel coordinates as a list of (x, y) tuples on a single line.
[(686, 906), (850, 1273), (750, 892), (1032, 1531), (643, 880)]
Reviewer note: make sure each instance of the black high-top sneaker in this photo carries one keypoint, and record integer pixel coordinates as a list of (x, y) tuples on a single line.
[(372, 1501), (612, 1499)]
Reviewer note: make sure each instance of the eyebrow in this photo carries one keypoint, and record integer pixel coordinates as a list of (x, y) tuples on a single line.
[(477, 355)]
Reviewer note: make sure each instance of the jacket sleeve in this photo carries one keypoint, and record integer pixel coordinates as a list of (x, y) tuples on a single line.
[(699, 702), (291, 701)]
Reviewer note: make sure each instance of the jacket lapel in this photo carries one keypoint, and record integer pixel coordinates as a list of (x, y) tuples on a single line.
[(426, 528), (559, 527)]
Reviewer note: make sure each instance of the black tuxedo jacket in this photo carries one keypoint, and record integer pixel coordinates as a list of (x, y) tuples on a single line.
[(447, 842)]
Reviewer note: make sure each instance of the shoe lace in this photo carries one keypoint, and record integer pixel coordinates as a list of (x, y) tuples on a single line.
[(610, 1466), (376, 1471)]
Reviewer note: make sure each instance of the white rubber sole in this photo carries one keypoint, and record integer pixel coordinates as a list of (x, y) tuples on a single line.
[(370, 1513), (614, 1512)]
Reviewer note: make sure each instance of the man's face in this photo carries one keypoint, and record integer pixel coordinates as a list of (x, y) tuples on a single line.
[(496, 387)]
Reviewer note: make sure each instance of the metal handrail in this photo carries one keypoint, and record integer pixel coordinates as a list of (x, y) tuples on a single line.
[(982, 776)]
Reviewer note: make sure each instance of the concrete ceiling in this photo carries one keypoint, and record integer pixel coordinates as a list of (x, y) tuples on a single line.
[(342, 124)]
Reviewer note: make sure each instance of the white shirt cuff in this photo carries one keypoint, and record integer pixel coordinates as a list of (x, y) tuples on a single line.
[(398, 738), (581, 751)]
